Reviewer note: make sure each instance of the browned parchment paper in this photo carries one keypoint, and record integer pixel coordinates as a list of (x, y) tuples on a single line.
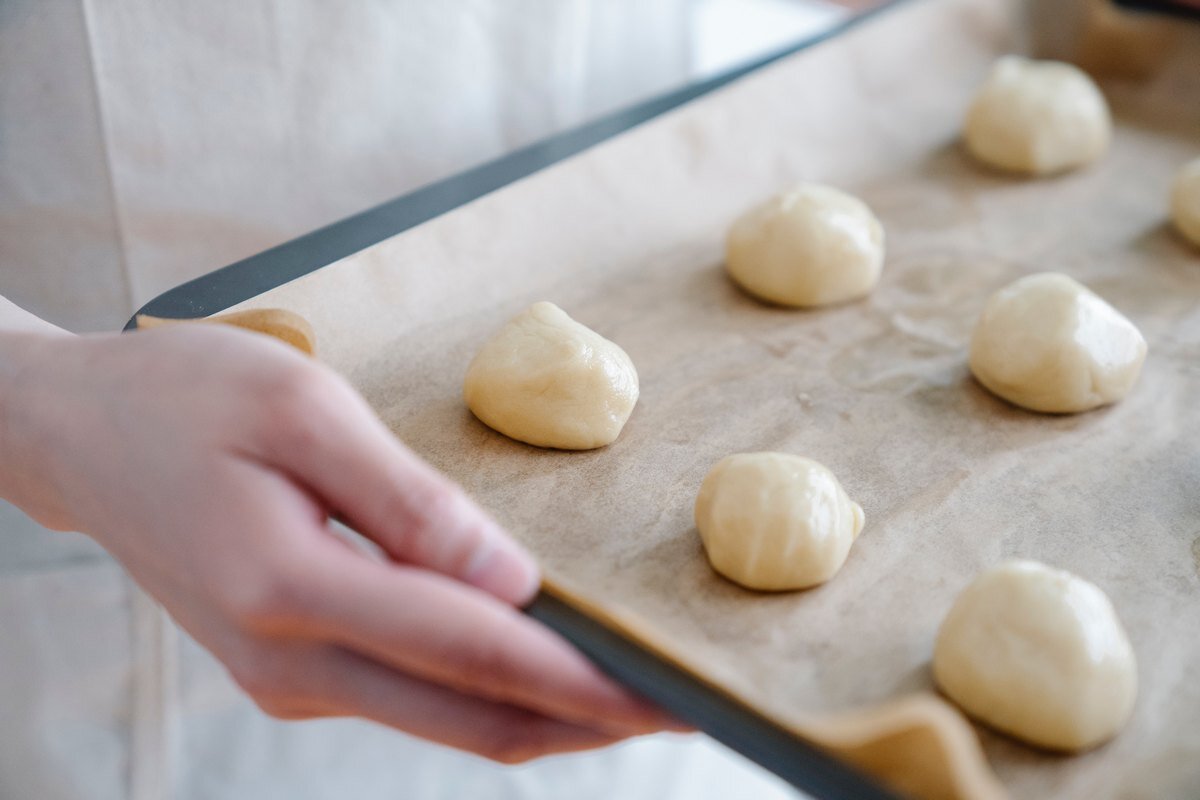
[(627, 239)]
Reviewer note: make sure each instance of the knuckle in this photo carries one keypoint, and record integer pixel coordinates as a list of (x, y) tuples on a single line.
[(488, 665), (438, 527), (415, 512), (506, 753), (270, 684), (513, 743), (255, 677), (296, 399), (291, 378), (516, 752), (273, 600), (271, 704), (431, 504)]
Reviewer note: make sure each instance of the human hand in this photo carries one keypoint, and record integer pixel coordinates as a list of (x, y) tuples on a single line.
[(208, 461)]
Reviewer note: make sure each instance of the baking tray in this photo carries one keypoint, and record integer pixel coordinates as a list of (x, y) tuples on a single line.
[(650, 672)]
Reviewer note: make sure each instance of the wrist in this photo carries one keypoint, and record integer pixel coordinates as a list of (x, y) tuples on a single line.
[(26, 435)]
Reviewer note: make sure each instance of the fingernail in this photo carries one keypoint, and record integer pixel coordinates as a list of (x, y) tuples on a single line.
[(504, 571)]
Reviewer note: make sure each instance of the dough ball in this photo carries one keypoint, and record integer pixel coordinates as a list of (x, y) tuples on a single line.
[(549, 381), (812, 246), (1047, 343), (1037, 117), (1037, 653), (1185, 202), (775, 521)]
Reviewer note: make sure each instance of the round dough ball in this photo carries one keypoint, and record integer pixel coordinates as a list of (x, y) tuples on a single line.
[(1185, 202), (812, 246), (1037, 117), (549, 381), (1047, 343), (775, 521), (1037, 653)]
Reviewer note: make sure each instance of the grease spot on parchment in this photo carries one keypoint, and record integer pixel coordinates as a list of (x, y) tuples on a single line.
[(929, 305), (895, 362), (938, 296)]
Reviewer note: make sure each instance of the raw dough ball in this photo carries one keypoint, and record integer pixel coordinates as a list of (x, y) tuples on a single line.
[(549, 381), (1047, 343), (812, 246), (775, 521), (1185, 202), (1037, 117), (1037, 653)]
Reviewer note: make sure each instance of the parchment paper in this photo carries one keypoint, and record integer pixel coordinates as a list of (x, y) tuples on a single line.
[(627, 239)]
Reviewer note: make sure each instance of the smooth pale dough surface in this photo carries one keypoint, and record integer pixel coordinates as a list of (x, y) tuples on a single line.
[(549, 381), (811, 246), (1037, 117), (1047, 343), (775, 521), (1185, 202), (1038, 653)]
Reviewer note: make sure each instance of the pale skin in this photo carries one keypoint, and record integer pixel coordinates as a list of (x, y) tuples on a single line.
[(209, 462)]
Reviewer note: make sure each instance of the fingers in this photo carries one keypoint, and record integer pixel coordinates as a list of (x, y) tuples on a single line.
[(405, 615), (326, 437), (347, 684), (421, 623)]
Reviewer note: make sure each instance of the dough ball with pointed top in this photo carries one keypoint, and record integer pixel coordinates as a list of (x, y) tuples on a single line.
[(547, 380)]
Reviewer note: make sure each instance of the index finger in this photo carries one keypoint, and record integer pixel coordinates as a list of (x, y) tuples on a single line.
[(331, 441)]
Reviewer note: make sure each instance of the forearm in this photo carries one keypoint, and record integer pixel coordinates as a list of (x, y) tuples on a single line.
[(24, 342)]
